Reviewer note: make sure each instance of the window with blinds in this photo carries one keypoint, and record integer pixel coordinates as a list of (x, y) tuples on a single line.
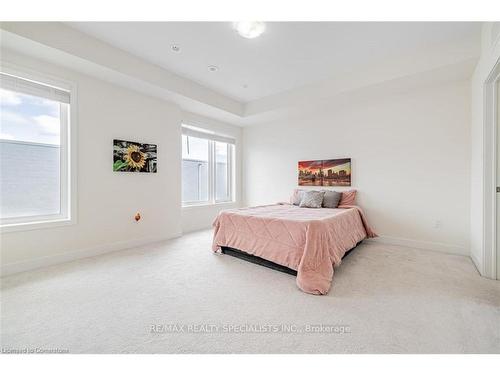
[(34, 149), (207, 167)]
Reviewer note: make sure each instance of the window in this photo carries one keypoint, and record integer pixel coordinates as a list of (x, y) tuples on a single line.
[(207, 162), (222, 188), (34, 150), (195, 155)]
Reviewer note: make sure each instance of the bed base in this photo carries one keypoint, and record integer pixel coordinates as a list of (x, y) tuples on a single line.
[(264, 262)]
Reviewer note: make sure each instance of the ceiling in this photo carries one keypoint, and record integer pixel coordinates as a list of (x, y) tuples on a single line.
[(289, 55)]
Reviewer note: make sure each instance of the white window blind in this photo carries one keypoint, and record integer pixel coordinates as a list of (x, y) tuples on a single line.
[(25, 86), (193, 132)]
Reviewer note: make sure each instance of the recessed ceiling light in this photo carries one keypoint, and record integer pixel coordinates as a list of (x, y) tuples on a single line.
[(213, 68), (175, 48), (250, 30)]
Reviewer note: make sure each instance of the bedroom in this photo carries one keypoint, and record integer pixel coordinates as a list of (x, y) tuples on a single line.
[(253, 187)]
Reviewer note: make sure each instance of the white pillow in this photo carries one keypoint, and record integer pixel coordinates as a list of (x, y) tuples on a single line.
[(296, 197)]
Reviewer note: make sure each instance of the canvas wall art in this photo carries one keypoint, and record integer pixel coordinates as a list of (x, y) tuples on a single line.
[(333, 172), (134, 157)]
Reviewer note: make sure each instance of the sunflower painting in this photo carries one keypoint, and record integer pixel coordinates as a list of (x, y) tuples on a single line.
[(133, 157)]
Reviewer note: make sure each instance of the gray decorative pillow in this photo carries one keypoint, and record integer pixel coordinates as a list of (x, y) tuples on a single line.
[(331, 199), (312, 199)]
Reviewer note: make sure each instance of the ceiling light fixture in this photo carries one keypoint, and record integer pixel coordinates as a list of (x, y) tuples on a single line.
[(213, 68), (248, 29)]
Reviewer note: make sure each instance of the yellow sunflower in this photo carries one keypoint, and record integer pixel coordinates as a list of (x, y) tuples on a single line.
[(134, 157)]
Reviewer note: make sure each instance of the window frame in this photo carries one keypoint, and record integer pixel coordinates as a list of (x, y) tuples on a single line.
[(68, 157), (211, 137), (209, 177), (229, 167)]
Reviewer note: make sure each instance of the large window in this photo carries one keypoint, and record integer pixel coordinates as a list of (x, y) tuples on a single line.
[(34, 150), (207, 162)]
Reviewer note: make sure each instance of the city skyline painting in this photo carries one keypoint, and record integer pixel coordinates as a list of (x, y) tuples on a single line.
[(331, 172)]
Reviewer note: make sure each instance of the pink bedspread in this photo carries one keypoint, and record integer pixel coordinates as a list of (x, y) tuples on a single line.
[(311, 241)]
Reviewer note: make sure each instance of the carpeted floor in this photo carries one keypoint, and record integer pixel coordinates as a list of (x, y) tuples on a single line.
[(385, 299)]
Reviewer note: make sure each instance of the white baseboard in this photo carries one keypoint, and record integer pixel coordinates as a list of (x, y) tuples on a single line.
[(12, 268), (197, 229), (425, 245), (477, 263)]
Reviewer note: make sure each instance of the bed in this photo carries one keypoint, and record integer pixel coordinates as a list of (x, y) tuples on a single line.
[(309, 241)]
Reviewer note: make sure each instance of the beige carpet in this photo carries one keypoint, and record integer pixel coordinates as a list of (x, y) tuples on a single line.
[(385, 299)]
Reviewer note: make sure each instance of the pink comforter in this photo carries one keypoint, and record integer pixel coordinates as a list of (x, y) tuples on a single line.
[(311, 241)]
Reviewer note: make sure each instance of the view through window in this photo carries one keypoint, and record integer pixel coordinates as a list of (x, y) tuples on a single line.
[(206, 170), (31, 135)]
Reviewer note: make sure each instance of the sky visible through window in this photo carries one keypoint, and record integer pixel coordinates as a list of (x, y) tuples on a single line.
[(29, 118)]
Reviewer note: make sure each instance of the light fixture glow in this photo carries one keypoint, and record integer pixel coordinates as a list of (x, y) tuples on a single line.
[(250, 30)]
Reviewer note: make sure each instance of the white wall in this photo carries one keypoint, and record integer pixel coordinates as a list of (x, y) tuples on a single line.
[(490, 54), (108, 201), (410, 160), (497, 244)]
